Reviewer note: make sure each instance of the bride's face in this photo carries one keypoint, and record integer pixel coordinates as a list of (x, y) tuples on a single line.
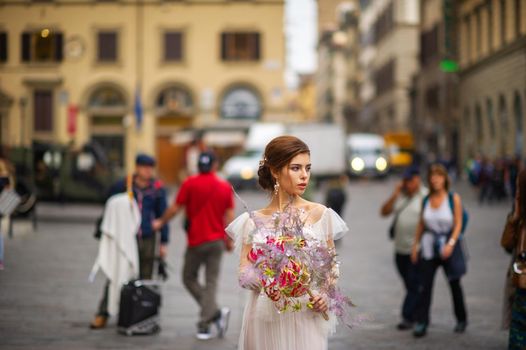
[(294, 177)]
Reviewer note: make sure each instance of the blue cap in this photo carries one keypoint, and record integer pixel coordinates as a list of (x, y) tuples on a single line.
[(205, 162), (144, 159), (410, 172)]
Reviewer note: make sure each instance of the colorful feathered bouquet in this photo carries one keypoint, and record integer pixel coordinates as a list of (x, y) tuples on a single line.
[(289, 265)]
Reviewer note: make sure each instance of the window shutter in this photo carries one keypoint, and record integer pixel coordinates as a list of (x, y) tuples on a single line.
[(173, 48), (224, 55), (107, 46), (3, 47), (59, 47), (257, 46), (26, 47)]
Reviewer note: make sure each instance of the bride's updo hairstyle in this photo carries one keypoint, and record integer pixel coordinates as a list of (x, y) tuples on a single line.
[(278, 153)]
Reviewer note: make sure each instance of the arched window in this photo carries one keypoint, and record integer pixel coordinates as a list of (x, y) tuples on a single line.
[(504, 125), (106, 97), (479, 127), (492, 134), (241, 102), (107, 107), (519, 124), (491, 119), (468, 131), (175, 100)]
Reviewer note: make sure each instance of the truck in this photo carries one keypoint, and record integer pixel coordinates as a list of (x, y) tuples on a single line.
[(326, 143), (400, 146)]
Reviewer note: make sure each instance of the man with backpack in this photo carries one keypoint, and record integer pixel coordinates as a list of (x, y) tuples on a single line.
[(438, 243)]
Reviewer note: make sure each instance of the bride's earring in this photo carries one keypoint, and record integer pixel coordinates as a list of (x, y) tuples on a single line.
[(276, 188)]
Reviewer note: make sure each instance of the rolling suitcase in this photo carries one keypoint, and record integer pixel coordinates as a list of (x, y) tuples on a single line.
[(139, 308)]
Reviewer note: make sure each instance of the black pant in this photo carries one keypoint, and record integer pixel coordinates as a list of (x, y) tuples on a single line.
[(427, 271), (409, 274)]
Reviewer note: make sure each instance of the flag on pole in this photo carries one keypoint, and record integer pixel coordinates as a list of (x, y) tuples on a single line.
[(138, 108)]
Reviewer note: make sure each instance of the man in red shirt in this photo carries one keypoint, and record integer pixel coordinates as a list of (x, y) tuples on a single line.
[(209, 206)]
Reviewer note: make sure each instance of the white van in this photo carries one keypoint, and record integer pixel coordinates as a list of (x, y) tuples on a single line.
[(242, 170), (367, 155)]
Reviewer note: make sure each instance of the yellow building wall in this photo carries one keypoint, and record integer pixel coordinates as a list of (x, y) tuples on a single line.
[(201, 70)]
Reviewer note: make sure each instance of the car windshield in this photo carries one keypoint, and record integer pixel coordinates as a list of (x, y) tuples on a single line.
[(366, 152)]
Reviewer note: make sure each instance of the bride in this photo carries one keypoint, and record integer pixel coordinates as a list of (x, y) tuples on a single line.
[(284, 172)]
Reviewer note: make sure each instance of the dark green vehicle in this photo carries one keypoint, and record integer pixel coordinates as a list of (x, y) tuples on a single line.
[(58, 173)]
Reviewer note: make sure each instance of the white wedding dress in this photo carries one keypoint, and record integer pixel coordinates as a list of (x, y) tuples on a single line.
[(264, 328)]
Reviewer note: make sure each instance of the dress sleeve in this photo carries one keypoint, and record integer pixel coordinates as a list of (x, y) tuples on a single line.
[(333, 225), (240, 230)]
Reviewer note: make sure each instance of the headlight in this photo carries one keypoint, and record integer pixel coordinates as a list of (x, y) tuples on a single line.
[(247, 173), (357, 164), (381, 164)]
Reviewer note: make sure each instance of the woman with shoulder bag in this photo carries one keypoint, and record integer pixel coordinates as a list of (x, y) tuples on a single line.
[(514, 238), (438, 244)]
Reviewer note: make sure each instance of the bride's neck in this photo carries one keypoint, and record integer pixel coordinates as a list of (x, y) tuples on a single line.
[(282, 199)]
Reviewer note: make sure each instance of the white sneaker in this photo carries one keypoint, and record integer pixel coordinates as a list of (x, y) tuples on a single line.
[(222, 322), (203, 333)]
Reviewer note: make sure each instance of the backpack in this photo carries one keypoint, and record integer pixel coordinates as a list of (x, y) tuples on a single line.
[(465, 215)]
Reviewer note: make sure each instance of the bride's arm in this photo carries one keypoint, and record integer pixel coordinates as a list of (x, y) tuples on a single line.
[(247, 274)]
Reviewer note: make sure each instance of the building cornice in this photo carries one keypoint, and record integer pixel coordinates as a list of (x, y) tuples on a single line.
[(517, 45), (225, 3)]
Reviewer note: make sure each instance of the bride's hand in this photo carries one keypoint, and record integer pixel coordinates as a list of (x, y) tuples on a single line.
[(318, 303), (249, 280)]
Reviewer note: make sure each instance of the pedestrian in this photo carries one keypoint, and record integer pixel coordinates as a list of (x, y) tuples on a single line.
[(284, 173), (406, 204), (6, 182), (209, 205), (150, 196), (336, 195), (438, 243), (485, 180), (514, 239), (195, 148)]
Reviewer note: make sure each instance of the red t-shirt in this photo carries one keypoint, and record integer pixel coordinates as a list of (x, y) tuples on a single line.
[(206, 199)]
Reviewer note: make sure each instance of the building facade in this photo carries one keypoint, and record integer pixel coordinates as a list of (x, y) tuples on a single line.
[(389, 58), (130, 75), (492, 53), (435, 93), (337, 78)]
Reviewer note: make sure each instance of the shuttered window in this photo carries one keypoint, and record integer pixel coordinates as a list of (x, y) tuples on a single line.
[(173, 46), (42, 46), (3, 47), (107, 46), (43, 110), (240, 46)]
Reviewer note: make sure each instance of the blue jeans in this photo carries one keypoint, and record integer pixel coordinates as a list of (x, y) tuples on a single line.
[(409, 274)]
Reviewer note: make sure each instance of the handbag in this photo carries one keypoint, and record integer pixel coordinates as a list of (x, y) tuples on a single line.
[(9, 200), (519, 264)]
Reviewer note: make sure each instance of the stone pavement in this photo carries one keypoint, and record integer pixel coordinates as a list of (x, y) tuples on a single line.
[(46, 301)]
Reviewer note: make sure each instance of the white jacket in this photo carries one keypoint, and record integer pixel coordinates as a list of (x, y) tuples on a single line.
[(118, 256)]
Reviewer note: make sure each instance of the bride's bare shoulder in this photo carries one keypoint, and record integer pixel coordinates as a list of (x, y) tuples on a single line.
[(313, 206)]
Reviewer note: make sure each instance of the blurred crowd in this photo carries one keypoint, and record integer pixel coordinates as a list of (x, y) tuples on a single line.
[(494, 178)]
